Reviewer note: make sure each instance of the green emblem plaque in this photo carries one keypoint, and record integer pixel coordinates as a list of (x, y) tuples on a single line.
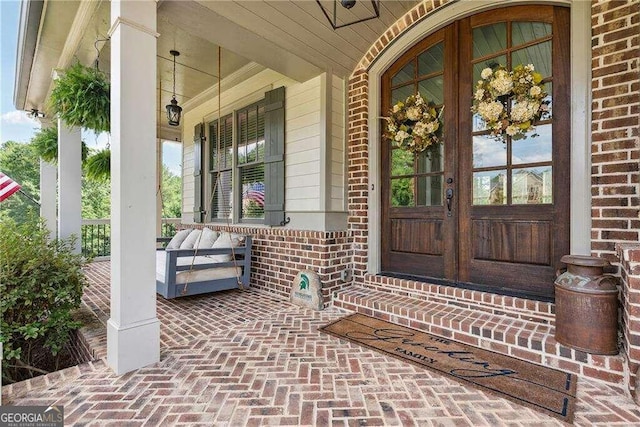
[(306, 290)]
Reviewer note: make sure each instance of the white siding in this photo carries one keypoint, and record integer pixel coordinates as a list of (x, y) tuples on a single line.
[(337, 201), (302, 151)]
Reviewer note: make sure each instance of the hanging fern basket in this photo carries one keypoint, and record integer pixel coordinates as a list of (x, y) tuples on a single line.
[(81, 97), (45, 142), (98, 166)]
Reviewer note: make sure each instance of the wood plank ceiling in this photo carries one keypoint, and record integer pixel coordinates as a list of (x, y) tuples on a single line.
[(302, 28)]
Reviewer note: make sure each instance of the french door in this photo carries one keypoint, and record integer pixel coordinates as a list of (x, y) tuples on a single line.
[(476, 209)]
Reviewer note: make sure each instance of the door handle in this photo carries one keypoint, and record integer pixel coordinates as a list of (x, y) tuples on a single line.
[(449, 196)]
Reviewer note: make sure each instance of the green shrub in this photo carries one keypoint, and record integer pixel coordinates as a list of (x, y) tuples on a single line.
[(41, 284)]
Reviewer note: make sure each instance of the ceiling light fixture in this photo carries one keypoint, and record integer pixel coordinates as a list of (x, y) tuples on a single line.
[(174, 111), (35, 114), (349, 4)]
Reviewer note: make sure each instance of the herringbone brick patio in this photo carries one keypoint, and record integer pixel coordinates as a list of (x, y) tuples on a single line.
[(247, 358)]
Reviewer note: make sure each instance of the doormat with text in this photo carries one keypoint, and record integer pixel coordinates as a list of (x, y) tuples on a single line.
[(548, 390)]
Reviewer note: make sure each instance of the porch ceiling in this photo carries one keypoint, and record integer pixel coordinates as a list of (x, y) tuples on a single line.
[(291, 37), (300, 28)]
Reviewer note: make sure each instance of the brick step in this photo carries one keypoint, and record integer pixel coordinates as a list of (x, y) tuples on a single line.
[(531, 340), (519, 308)]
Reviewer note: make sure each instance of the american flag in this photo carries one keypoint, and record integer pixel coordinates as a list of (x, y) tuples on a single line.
[(255, 192), (7, 187)]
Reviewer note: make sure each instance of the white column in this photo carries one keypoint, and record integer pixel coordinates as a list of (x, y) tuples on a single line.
[(70, 176), (133, 331), (49, 196), (159, 200)]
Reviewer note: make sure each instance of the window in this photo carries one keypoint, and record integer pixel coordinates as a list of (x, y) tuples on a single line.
[(251, 161), (221, 168), (416, 179), (522, 169), (245, 182), (238, 161)]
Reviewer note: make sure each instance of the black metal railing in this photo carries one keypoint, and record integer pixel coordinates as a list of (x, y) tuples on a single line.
[(96, 235)]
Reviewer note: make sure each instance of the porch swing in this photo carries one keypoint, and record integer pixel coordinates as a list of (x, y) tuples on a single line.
[(202, 261)]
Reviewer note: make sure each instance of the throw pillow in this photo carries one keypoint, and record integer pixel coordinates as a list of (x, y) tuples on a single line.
[(226, 240), (177, 240), (207, 239), (191, 239)]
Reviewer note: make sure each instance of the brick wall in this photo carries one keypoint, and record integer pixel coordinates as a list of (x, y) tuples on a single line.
[(615, 126), (630, 295), (358, 164), (278, 254)]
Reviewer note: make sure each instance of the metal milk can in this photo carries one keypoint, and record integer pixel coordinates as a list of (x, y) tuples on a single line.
[(587, 306)]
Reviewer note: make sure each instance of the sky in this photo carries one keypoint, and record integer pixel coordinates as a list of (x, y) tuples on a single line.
[(17, 125), (14, 125)]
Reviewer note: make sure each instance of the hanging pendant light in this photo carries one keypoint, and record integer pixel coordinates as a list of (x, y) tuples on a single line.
[(174, 111), (362, 13)]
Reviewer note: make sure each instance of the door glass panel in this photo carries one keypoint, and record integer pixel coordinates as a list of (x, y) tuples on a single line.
[(532, 185), (478, 123), (523, 32), (402, 93), (489, 187), (432, 90), (429, 190), (532, 149), (539, 55), (431, 160), (548, 100), (490, 63), (402, 190), (404, 75), (431, 60), (489, 39), (401, 162), (488, 152)]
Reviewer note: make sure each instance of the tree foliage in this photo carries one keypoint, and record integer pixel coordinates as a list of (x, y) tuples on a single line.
[(20, 162), (171, 194), (96, 199)]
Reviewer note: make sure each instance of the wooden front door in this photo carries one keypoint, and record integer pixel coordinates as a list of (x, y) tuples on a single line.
[(477, 210)]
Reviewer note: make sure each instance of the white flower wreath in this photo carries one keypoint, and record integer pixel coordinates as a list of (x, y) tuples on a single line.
[(414, 124), (497, 87)]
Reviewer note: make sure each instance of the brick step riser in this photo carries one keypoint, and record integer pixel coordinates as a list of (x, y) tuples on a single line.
[(542, 350), (520, 308)]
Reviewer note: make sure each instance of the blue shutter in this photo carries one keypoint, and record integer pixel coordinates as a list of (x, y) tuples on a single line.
[(198, 151), (274, 157)]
